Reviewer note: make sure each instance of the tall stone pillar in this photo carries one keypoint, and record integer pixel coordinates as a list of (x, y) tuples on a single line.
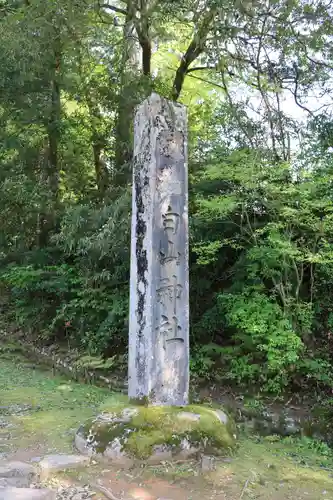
[(159, 290)]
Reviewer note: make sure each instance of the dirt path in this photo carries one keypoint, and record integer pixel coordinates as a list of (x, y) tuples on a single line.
[(39, 415)]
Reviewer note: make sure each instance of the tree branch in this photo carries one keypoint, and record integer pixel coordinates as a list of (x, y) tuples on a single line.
[(295, 96), (262, 92), (119, 10), (209, 82), (195, 48), (200, 68), (233, 110), (142, 28)]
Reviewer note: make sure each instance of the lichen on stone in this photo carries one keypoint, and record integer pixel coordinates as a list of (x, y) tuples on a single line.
[(141, 432)]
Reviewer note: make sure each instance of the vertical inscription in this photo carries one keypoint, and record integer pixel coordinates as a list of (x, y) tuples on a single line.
[(169, 290), (167, 295), (170, 330), (170, 222), (170, 254), (158, 364)]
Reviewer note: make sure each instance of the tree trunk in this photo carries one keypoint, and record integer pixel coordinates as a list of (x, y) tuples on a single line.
[(136, 63), (48, 222), (53, 137), (100, 171), (130, 67)]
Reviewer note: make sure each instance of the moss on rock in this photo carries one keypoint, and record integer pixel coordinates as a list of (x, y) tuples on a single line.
[(144, 432)]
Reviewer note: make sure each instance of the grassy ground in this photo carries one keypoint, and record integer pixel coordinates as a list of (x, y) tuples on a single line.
[(261, 468)]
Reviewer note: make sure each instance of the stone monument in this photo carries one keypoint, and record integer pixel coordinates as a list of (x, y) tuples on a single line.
[(159, 313), (159, 289)]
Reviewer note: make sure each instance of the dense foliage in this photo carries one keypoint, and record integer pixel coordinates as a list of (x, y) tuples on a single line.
[(261, 206)]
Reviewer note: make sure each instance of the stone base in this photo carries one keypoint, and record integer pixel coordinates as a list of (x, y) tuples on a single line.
[(130, 433)]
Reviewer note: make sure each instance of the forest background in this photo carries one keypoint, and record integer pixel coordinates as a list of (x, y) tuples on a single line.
[(261, 202)]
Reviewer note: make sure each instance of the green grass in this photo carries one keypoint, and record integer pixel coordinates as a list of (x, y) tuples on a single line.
[(57, 404), (280, 469), (262, 469)]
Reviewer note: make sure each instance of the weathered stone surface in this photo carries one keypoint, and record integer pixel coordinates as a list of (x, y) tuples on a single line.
[(53, 463), (19, 474), (207, 463), (4, 424), (18, 482), (74, 493), (159, 291), (17, 409), (12, 493), (155, 434)]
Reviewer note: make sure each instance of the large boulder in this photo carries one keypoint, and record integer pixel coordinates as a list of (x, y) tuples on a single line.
[(127, 433)]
